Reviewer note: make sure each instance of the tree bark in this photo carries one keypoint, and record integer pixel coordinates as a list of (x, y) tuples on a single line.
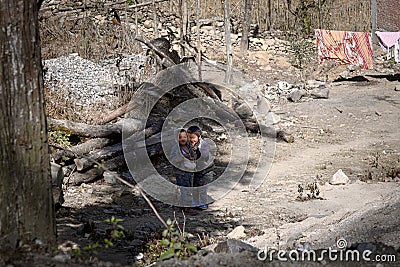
[(83, 148), (26, 204), (78, 178), (107, 152), (244, 42)]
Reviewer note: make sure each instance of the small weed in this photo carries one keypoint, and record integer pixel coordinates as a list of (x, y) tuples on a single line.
[(173, 243), (92, 248), (303, 50), (308, 192), (60, 138), (116, 231)]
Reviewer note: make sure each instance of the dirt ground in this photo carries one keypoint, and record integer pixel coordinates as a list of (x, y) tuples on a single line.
[(354, 130)]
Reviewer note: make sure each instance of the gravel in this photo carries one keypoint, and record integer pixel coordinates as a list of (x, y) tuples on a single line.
[(87, 82)]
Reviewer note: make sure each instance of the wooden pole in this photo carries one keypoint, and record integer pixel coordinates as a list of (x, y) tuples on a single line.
[(229, 60)]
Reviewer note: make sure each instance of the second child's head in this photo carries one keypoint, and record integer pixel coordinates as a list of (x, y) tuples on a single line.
[(182, 137), (194, 134)]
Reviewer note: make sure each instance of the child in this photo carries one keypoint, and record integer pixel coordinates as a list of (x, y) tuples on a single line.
[(184, 167), (204, 164)]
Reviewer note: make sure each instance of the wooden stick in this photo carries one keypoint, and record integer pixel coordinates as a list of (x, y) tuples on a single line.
[(158, 51)]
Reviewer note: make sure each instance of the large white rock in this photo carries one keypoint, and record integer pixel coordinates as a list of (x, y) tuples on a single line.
[(237, 233), (339, 178)]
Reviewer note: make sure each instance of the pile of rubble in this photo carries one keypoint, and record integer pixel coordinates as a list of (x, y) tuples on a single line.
[(88, 82)]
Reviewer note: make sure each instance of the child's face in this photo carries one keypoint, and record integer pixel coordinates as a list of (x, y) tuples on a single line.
[(182, 138), (193, 138)]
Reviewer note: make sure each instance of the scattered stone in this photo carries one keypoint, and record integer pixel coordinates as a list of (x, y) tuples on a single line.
[(304, 246), (339, 178), (237, 233), (288, 138), (311, 84), (296, 94), (272, 118), (231, 246), (62, 258), (148, 24), (243, 110), (284, 86), (110, 177), (68, 246), (320, 92)]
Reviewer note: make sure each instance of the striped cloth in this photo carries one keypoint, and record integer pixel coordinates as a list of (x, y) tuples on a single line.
[(345, 47)]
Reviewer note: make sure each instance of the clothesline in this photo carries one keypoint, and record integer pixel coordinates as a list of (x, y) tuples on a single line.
[(353, 48)]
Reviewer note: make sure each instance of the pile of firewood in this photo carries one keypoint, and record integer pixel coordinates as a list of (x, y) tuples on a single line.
[(102, 149)]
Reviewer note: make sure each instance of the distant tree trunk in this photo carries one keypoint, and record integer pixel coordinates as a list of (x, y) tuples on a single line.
[(184, 24), (229, 59), (155, 19), (26, 204), (244, 42), (136, 20), (269, 15), (198, 38)]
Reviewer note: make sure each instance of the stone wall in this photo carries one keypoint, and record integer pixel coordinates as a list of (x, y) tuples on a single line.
[(388, 15), (349, 15)]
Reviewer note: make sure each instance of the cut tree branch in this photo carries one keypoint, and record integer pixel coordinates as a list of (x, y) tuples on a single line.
[(85, 130)]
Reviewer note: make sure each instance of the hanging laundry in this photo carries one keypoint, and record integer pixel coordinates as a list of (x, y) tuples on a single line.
[(389, 39), (345, 47)]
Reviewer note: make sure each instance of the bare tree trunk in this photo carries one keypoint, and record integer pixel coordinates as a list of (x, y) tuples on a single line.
[(244, 42), (198, 38), (26, 204), (136, 20), (155, 19), (229, 58), (269, 14), (319, 15), (184, 24)]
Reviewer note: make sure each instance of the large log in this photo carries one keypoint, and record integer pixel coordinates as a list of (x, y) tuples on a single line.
[(83, 163), (83, 148), (93, 174), (85, 130)]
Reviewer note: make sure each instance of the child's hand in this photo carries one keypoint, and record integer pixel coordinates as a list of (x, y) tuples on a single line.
[(189, 165), (195, 146)]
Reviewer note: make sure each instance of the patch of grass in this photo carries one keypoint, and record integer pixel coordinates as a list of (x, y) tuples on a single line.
[(173, 242), (308, 191)]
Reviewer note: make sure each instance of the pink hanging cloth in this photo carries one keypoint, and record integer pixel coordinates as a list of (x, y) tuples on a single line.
[(389, 39), (345, 47)]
